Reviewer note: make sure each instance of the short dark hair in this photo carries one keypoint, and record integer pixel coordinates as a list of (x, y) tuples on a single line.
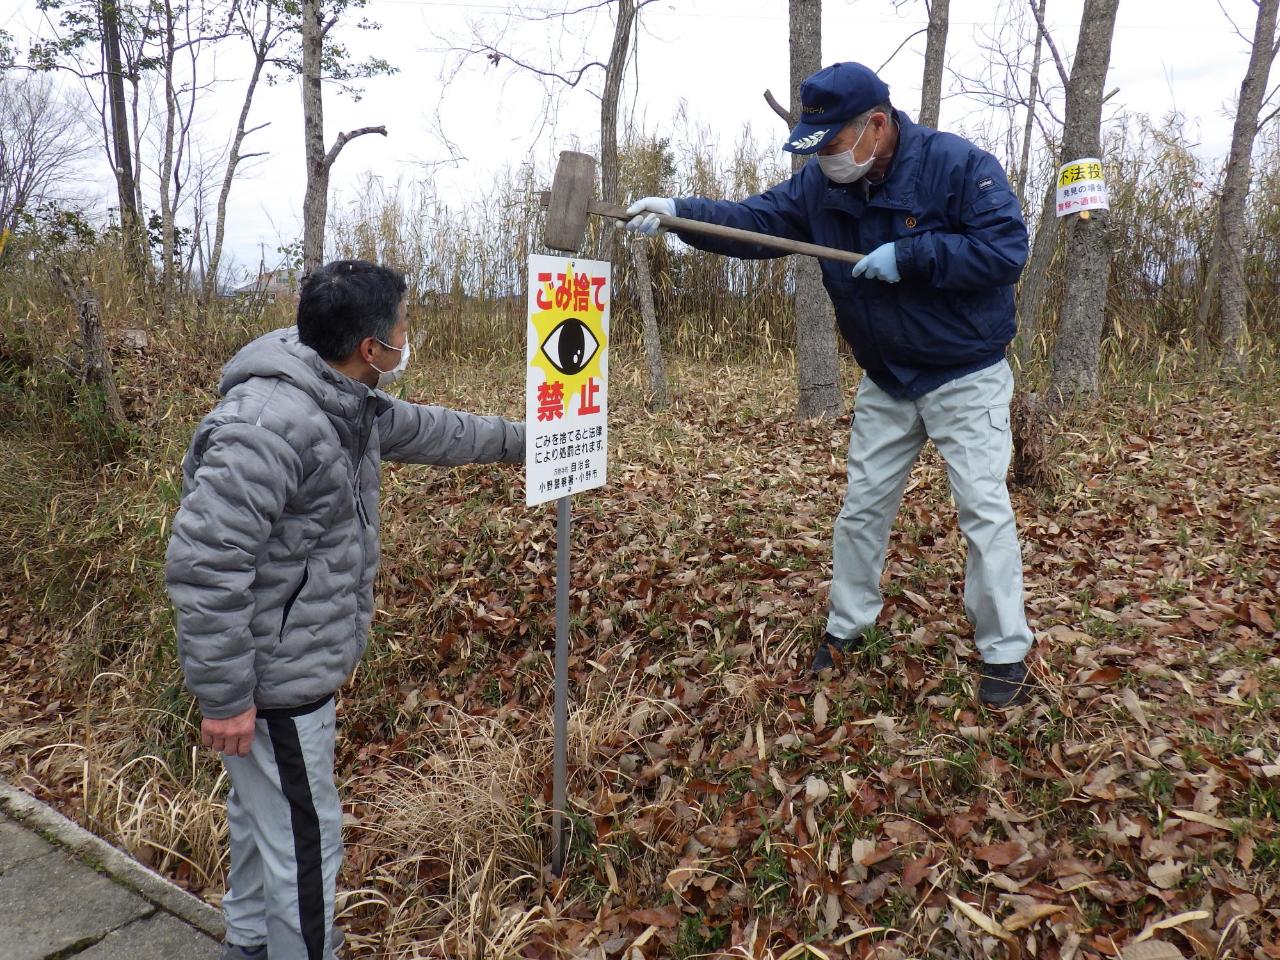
[(345, 301)]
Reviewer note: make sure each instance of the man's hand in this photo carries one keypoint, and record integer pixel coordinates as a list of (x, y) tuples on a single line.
[(232, 735), (642, 216), (880, 264)]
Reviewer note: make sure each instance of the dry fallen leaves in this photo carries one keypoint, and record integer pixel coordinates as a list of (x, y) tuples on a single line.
[(706, 766), (1151, 950)]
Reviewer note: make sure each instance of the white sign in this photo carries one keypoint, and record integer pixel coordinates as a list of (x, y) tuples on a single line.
[(1081, 187), (567, 378)]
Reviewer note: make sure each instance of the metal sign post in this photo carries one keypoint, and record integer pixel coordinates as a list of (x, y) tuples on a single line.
[(566, 442), (559, 771)]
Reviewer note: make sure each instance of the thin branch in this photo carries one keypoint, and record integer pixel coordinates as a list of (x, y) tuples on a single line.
[(910, 37), (1234, 25), (547, 15), (1048, 39), (779, 109), (345, 138), (496, 56), (1268, 98)]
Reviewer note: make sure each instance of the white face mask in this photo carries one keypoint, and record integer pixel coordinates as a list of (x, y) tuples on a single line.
[(387, 377), (842, 168)]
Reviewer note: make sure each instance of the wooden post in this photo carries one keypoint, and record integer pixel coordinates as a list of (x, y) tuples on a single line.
[(95, 368)]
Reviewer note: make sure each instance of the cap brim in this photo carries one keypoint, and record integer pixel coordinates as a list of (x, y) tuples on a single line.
[(811, 137)]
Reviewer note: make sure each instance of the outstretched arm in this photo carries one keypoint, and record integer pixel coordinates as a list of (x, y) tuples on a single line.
[(417, 433)]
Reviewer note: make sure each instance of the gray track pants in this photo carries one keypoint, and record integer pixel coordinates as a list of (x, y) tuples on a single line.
[(968, 421), (285, 822)]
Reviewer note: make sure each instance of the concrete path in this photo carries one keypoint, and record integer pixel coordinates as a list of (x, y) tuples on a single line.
[(66, 893)]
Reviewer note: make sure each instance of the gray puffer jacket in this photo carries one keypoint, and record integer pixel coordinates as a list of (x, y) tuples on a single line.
[(274, 548)]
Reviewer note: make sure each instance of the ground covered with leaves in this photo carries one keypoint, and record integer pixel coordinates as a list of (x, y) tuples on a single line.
[(724, 803)]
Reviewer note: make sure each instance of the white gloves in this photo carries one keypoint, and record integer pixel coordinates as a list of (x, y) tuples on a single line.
[(642, 216)]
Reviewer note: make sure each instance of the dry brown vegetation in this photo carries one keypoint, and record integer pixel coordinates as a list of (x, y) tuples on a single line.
[(723, 803)]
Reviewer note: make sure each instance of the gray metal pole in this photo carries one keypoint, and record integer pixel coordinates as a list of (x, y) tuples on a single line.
[(559, 771)]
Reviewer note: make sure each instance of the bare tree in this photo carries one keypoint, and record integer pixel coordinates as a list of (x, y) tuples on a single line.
[(1024, 163), (1226, 260), (106, 44), (315, 205), (626, 19), (126, 183), (817, 354), (182, 32), (39, 146), (258, 22), (1088, 249), (1010, 87), (1035, 278), (934, 57)]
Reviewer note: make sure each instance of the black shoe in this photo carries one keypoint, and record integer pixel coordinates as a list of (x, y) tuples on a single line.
[(1004, 684), (823, 660)]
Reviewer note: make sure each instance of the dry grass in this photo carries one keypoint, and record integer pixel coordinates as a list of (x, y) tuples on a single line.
[(701, 574), (722, 802)]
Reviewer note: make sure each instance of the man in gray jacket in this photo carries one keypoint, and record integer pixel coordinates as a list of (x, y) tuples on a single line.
[(270, 569)]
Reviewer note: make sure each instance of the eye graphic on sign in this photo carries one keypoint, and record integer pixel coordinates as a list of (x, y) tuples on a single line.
[(570, 346)]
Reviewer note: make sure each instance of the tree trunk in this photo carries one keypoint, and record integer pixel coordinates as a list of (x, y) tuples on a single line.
[(1088, 249), (652, 342), (1232, 292), (1035, 279), (626, 15), (126, 188), (132, 55), (935, 50), (1208, 294), (95, 367), (817, 356), (315, 204), (1025, 161), (166, 167)]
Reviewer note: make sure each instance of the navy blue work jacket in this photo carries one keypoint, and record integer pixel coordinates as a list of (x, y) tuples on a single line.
[(960, 240)]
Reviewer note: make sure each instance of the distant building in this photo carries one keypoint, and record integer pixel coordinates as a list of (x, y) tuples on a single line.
[(270, 286)]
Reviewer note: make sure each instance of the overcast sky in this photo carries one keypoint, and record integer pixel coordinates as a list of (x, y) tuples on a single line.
[(714, 58)]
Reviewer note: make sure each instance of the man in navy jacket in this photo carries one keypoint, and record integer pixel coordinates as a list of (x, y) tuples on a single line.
[(928, 313)]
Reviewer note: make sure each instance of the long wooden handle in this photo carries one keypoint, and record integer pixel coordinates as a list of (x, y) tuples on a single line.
[(731, 233), (616, 212)]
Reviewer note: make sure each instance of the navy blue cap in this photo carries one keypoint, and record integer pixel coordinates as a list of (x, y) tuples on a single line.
[(831, 98)]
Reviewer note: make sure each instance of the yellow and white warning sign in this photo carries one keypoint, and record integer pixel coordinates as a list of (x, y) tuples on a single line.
[(1081, 187), (567, 377)]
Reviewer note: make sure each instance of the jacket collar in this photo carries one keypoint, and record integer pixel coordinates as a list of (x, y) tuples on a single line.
[(898, 190), (280, 354), (336, 393)]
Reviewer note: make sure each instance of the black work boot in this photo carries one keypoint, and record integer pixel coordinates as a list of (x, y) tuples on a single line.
[(232, 951), (822, 658), (1004, 684)]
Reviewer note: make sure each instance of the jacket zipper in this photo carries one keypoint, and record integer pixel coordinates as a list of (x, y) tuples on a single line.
[(288, 604), (361, 513)]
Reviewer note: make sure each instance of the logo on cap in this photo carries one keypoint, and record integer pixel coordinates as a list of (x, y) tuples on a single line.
[(812, 140)]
